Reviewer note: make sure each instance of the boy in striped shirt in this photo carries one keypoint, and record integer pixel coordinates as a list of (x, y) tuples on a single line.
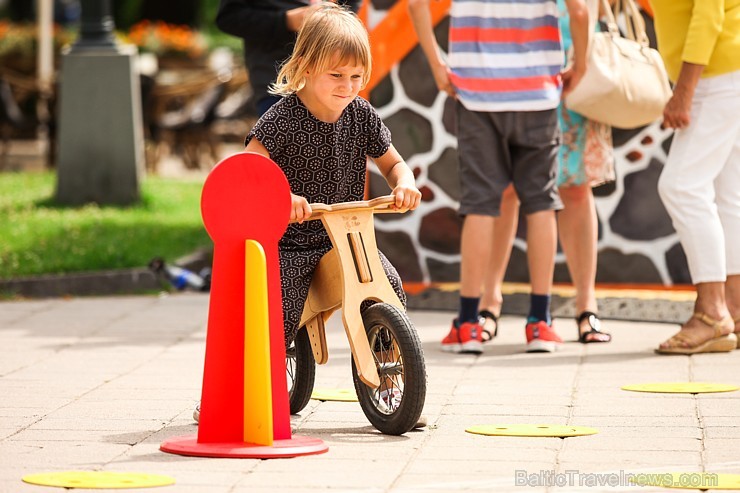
[(505, 71)]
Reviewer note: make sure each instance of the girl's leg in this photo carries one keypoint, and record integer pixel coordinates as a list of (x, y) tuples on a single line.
[(577, 227), (578, 230), (393, 277), (504, 231)]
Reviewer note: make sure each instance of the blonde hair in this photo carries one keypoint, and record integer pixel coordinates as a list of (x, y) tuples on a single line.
[(328, 32)]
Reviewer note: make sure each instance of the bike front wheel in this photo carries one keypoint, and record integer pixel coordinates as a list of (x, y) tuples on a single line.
[(396, 405)]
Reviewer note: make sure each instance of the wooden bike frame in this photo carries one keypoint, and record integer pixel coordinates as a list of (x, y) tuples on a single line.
[(347, 275)]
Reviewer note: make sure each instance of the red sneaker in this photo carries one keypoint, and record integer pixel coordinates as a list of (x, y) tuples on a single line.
[(468, 338), (542, 338)]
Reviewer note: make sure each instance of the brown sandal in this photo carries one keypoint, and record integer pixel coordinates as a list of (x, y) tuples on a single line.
[(720, 343), (737, 332)]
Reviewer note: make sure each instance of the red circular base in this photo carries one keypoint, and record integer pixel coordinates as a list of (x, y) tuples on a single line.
[(292, 447)]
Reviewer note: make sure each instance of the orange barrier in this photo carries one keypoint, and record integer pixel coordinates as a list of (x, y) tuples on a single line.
[(388, 47), (645, 4)]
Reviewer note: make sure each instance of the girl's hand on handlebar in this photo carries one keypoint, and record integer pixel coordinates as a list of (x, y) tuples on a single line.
[(407, 197), (300, 209)]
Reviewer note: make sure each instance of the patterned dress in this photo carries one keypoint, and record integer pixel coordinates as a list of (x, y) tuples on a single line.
[(586, 155), (324, 162)]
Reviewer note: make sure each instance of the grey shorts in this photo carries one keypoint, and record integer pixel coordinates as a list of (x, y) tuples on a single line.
[(499, 148)]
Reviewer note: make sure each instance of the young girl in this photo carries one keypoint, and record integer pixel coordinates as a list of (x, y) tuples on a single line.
[(320, 135)]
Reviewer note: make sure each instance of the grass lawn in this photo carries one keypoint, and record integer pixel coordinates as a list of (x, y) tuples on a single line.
[(40, 237)]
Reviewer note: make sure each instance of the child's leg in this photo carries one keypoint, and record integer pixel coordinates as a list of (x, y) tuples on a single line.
[(392, 274), (535, 147), (296, 271), (475, 248), (542, 244), (484, 174)]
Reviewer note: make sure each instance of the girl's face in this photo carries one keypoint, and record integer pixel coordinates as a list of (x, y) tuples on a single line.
[(329, 92)]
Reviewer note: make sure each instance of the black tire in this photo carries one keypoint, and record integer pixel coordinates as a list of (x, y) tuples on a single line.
[(300, 371), (399, 358)]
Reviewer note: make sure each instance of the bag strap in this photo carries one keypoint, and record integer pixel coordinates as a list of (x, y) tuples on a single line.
[(611, 21), (635, 22), (633, 19), (593, 14)]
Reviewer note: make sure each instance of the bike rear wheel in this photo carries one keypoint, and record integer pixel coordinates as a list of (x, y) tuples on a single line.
[(300, 369), (396, 405)]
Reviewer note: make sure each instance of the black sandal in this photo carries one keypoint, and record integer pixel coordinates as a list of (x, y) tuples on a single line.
[(486, 316), (594, 334)]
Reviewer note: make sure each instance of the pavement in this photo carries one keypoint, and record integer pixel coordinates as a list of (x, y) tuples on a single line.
[(97, 383)]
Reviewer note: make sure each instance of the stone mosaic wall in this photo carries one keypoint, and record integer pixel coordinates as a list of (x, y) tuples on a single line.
[(637, 243)]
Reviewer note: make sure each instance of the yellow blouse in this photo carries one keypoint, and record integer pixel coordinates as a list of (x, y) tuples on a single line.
[(703, 32)]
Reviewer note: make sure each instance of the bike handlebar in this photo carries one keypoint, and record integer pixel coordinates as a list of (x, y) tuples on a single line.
[(379, 205)]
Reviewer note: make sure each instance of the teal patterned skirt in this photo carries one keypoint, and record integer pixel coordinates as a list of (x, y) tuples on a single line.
[(586, 154)]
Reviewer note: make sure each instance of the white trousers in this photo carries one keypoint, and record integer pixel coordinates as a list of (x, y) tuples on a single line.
[(700, 183)]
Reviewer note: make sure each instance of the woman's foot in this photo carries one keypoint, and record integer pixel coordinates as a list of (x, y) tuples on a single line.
[(701, 334), (589, 328), (737, 330)]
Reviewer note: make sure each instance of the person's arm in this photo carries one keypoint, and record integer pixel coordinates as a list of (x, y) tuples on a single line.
[(300, 209), (294, 18), (400, 178), (579, 25), (259, 26), (353, 5), (677, 111), (422, 21), (705, 27)]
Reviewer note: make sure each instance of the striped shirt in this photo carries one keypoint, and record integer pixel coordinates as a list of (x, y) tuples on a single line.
[(505, 55)]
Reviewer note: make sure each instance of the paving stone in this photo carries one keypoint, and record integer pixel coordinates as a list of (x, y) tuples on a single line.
[(104, 391)]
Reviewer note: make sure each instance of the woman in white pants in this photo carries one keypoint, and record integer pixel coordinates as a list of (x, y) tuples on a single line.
[(700, 183), (700, 187)]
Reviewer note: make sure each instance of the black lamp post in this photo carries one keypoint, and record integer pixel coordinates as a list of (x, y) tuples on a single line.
[(96, 27)]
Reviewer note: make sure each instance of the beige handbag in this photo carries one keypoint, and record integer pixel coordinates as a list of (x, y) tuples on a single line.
[(625, 84)]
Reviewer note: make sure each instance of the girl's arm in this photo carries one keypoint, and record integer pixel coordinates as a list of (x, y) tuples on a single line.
[(579, 26), (300, 209), (400, 178)]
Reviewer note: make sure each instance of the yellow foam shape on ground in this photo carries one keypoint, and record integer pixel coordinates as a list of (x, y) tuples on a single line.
[(688, 480), (340, 395), (681, 387), (98, 479), (531, 430), (257, 377)]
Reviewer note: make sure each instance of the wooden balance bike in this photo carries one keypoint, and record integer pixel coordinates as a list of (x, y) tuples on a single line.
[(387, 358)]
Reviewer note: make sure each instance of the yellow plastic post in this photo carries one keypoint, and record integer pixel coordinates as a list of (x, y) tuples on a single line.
[(257, 381)]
